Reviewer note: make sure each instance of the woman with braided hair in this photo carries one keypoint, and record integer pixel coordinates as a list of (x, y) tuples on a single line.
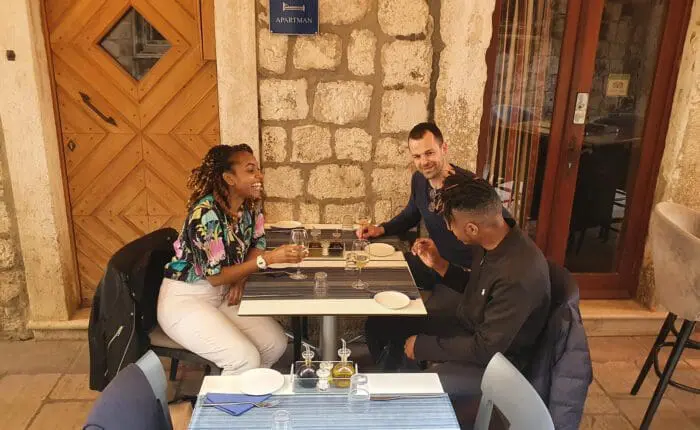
[(221, 243)]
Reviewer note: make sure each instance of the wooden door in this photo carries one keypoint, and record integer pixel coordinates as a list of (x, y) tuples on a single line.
[(137, 104)]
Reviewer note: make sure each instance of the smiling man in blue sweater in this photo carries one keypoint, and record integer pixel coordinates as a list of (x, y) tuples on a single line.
[(429, 153)]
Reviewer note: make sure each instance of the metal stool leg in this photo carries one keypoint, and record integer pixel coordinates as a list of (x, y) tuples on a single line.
[(173, 368), (684, 335), (661, 338)]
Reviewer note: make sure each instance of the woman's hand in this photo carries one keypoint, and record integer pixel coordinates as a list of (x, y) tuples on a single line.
[(285, 254), (235, 293)]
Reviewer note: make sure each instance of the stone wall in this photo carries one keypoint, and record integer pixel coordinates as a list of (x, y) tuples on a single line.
[(336, 108), (14, 305), (678, 179)]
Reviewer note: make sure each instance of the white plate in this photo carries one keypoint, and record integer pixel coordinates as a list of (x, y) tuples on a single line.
[(392, 299), (259, 382), (286, 224), (380, 249)]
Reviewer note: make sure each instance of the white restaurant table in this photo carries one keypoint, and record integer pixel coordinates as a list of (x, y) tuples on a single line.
[(329, 308), (425, 406)]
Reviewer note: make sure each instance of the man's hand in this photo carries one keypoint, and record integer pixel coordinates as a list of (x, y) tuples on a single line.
[(409, 347), (426, 250), (369, 231)]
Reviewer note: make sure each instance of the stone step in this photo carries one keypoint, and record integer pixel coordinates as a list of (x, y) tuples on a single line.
[(600, 318)]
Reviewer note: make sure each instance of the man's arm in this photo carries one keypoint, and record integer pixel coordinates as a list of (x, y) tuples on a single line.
[(504, 315), (456, 277)]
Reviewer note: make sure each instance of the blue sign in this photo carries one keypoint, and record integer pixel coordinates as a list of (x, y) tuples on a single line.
[(294, 16)]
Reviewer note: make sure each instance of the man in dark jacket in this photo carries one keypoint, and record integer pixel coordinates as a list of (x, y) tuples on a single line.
[(503, 307)]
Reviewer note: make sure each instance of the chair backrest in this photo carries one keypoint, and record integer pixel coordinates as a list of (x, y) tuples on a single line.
[(675, 246), (152, 368), (128, 402), (506, 388)]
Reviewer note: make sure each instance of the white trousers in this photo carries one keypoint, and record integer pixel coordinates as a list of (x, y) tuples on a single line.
[(198, 317)]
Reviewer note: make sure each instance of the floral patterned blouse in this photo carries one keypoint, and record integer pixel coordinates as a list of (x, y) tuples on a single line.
[(211, 240)]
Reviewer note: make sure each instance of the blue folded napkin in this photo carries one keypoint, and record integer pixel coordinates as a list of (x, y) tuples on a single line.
[(234, 409)]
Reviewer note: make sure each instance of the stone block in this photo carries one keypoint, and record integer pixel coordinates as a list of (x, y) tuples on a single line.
[(342, 102), (283, 99), (5, 220), (73, 387), (392, 152), (333, 213), (407, 63), (62, 416), (11, 285), (272, 51), (309, 213), (321, 52), (8, 254), (311, 143), (23, 397), (285, 182), (274, 143), (402, 109), (383, 211), (339, 12), (391, 182), (463, 72), (353, 144), (336, 182), (278, 211), (361, 50), (403, 17)]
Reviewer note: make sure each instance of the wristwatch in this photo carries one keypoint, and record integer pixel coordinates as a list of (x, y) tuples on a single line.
[(260, 261)]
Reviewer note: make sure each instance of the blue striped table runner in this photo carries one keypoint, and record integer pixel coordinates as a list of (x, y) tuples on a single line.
[(328, 412)]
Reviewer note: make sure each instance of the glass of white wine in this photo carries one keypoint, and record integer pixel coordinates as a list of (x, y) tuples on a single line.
[(363, 217), (361, 250), (299, 238)]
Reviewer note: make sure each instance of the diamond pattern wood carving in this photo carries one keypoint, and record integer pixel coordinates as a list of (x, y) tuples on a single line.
[(126, 176)]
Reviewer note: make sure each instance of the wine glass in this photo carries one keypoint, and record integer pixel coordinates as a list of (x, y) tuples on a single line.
[(347, 222), (360, 249), (363, 217), (299, 238)]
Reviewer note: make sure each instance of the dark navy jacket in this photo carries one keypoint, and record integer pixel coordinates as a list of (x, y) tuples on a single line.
[(561, 369)]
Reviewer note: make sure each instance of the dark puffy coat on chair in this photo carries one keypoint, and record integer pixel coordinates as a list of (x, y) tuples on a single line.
[(561, 369)]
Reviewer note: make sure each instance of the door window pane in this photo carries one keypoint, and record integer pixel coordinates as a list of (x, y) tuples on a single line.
[(625, 65), (530, 36), (135, 44)]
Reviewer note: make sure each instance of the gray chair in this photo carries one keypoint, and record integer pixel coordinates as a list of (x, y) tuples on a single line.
[(132, 400), (675, 247), (506, 388), (153, 370)]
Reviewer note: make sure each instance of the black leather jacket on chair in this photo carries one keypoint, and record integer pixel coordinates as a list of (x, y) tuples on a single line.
[(124, 305)]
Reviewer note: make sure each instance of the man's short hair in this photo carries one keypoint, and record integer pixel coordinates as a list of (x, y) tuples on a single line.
[(419, 130), (469, 193)]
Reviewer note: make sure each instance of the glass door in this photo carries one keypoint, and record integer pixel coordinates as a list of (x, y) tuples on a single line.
[(614, 131), (577, 107)]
